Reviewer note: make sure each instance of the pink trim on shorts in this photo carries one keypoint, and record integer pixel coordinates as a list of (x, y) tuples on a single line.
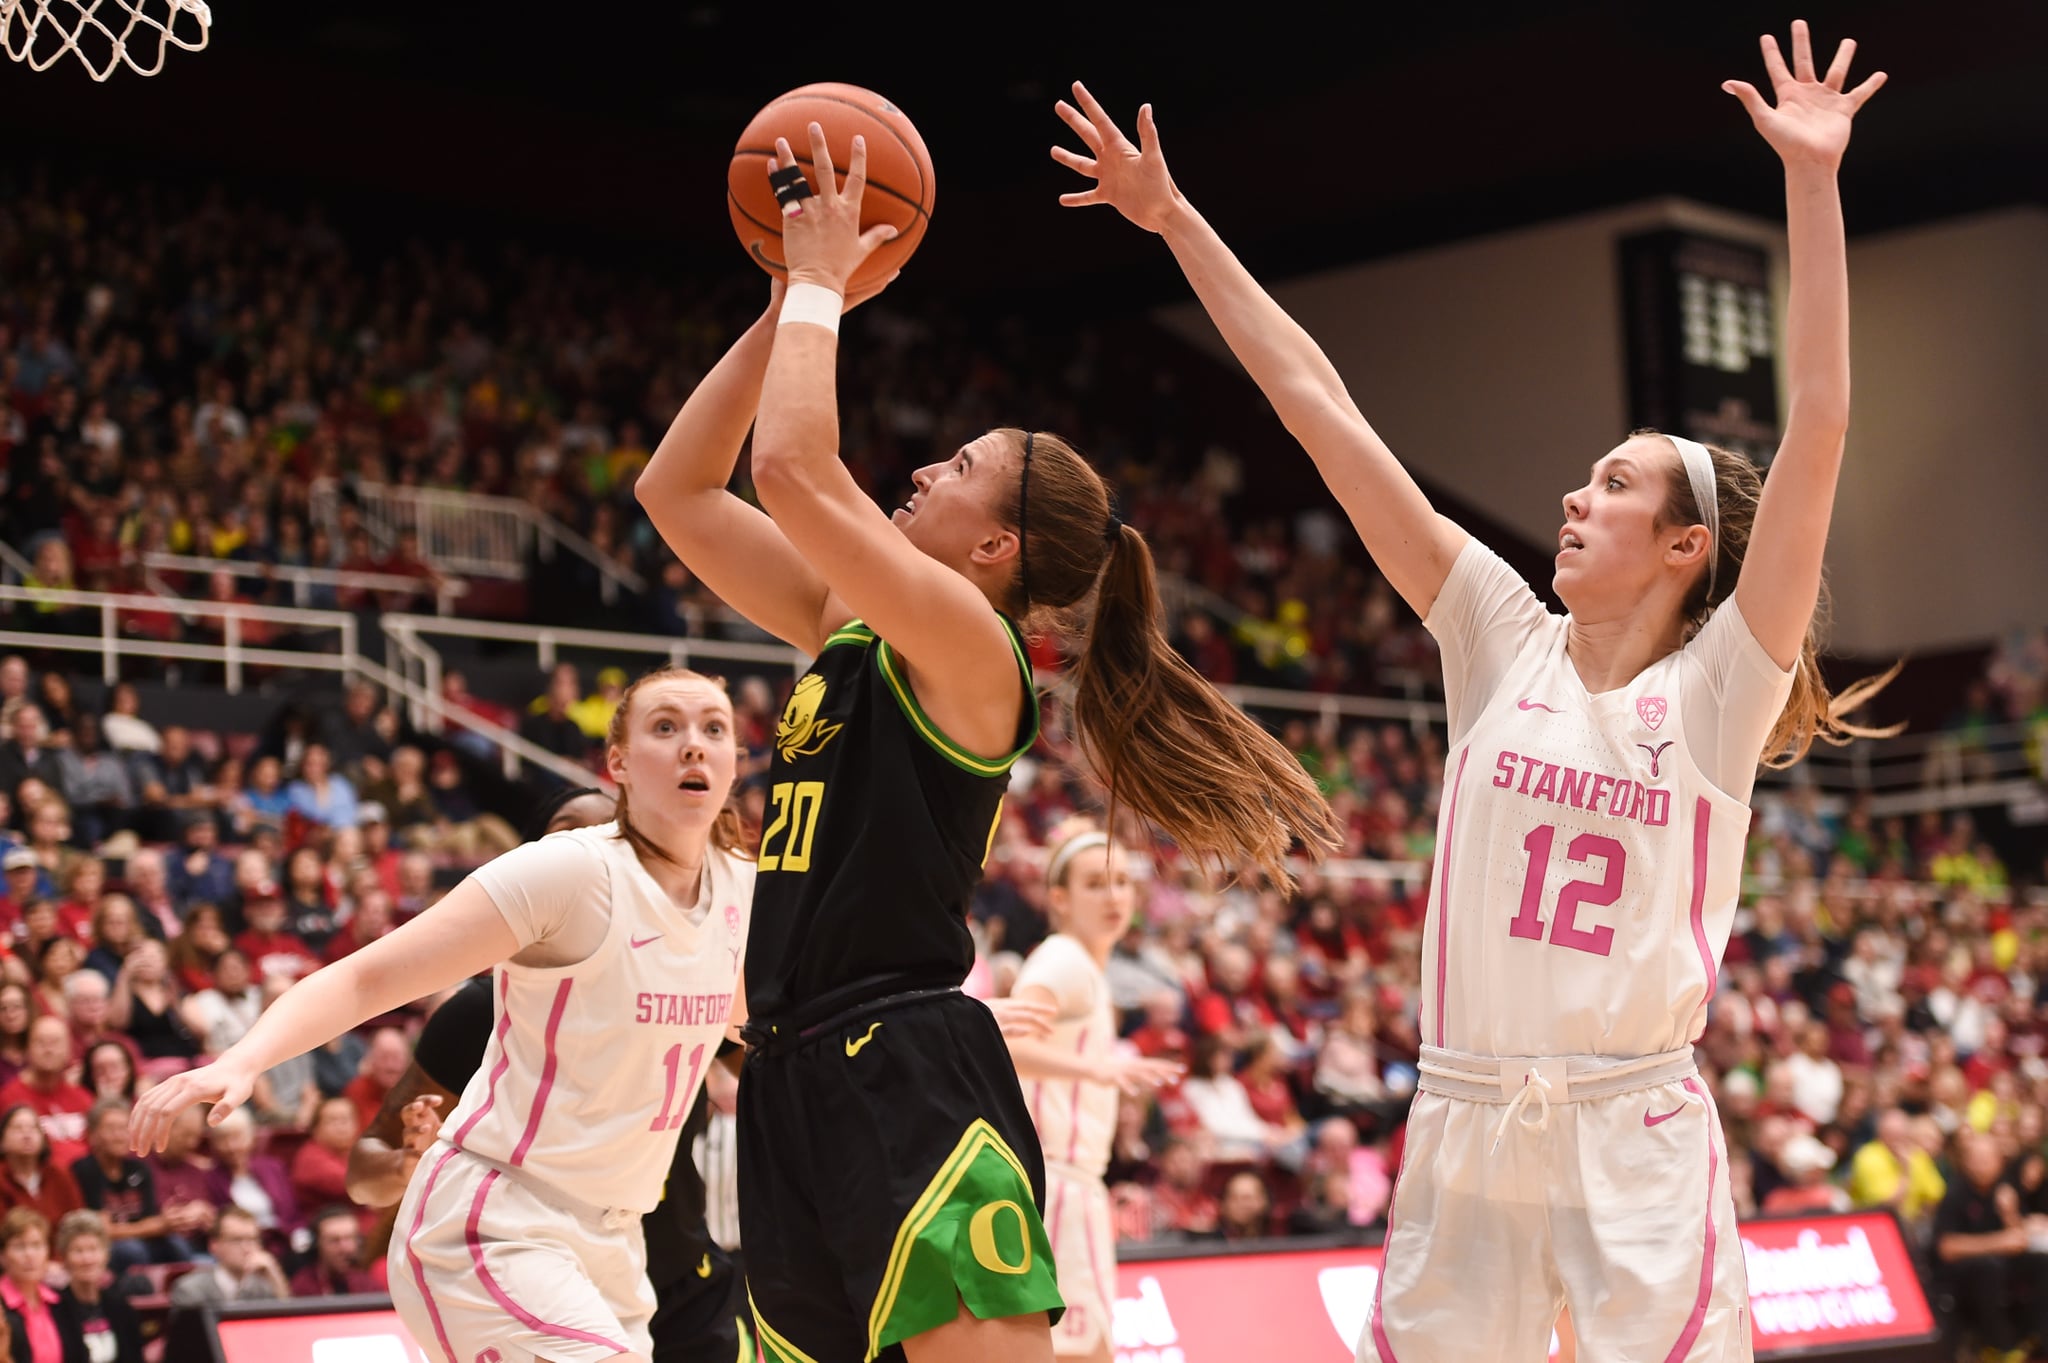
[(504, 1059), (1443, 897), (419, 1272), (1702, 823), (483, 1273), (1379, 1288), (1074, 1102), (1105, 1286), (1698, 1317), (547, 1075)]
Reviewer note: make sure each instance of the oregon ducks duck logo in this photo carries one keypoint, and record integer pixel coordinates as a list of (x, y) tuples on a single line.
[(800, 732)]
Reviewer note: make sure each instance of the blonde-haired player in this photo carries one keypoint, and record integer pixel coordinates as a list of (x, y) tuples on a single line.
[(615, 954), (1072, 1078)]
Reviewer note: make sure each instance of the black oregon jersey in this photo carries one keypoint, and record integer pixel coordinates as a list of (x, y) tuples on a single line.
[(873, 839)]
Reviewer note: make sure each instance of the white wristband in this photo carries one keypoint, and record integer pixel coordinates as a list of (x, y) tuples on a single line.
[(812, 303)]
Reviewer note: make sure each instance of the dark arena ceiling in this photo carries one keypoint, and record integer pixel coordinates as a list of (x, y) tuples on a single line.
[(1312, 134)]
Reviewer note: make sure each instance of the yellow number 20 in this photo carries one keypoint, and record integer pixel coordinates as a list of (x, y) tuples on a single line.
[(796, 806)]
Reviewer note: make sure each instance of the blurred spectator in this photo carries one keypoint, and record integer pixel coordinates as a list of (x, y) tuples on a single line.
[(183, 1172), (199, 874), (269, 946), (257, 1184), (195, 951), (320, 1168), (549, 723), (25, 755), (172, 784), (359, 737), (149, 890), (1232, 1128), (321, 795), (121, 1188), (96, 1298), (373, 919), (383, 1065), (95, 780), (145, 1006), (222, 1014), (242, 1269), (1983, 1253), (38, 1318), (337, 1246), (286, 1094), (1893, 1171), (125, 729), (30, 1176), (87, 996), (44, 1086), (1805, 1162), (109, 1071), (1246, 1208), (1182, 1205), (16, 1013), (1815, 1077)]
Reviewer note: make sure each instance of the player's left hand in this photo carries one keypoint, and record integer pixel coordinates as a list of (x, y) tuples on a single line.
[(823, 243), (1811, 121), (1131, 179)]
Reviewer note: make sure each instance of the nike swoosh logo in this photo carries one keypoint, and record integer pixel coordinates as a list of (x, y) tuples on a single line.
[(1648, 1120), (704, 1269), (1526, 704), (639, 942), (853, 1047)]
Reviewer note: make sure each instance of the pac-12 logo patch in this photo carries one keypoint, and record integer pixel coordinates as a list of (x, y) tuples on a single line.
[(1652, 709)]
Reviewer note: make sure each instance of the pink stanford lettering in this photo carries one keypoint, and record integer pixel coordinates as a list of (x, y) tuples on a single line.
[(682, 1010), (1594, 792)]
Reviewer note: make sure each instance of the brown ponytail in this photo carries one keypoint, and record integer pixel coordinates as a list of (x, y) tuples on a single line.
[(1810, 712), (728, 834), (1160, 738)]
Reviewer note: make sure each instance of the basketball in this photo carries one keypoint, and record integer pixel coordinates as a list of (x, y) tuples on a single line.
[(900, 186)]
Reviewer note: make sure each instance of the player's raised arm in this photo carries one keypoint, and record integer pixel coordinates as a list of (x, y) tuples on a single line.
[(961, 657), (1809, 129), (1408, 540), (736, 550)]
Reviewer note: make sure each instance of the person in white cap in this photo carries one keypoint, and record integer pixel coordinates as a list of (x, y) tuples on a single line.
[(1563, 1148)]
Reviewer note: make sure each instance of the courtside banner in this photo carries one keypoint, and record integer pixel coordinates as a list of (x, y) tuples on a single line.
[(1818, 1284)]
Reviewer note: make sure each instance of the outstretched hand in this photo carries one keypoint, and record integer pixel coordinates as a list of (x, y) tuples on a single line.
[(1812, 116), (222, 1084), (1132, 180)]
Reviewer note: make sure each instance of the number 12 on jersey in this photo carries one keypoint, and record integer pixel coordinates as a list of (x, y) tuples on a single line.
[(796, 805), (1564, 929)]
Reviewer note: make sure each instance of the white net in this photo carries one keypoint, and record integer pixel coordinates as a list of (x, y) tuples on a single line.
[(102, 34)]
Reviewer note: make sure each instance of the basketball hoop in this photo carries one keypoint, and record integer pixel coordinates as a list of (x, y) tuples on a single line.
[(134, 33)]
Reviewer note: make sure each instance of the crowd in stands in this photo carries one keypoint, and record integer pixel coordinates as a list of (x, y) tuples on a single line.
[(194, 375), (184, 374)]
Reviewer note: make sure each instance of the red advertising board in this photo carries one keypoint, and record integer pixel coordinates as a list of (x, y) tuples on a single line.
[(1816, 1283), (1821, 1283)]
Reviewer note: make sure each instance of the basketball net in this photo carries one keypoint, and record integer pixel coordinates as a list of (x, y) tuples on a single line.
[(103, 34)]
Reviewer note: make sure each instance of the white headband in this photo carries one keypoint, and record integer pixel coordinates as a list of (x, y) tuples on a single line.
[(1070, 849), (1699, 469)]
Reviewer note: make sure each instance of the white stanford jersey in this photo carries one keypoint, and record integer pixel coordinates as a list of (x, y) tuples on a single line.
[(592, 1067), (1076, 1119), (1587, 867)]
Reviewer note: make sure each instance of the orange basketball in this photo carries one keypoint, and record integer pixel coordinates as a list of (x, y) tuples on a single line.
[(900, 184)]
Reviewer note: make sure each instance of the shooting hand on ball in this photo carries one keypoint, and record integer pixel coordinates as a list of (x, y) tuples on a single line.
[(821, 236), (1132, 180)]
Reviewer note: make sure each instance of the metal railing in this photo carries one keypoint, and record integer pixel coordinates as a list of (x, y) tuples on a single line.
[(234, 652), (447, 591), (469, 533), (408, 651), (235, 656), (1942, 769)]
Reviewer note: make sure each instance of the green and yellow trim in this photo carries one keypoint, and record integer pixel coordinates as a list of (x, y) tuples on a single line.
[(977, 1139), (774, 1348), (906, 699), (852, 632)]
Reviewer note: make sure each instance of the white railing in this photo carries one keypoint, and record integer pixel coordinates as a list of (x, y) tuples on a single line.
[(468, 533), (447, 591), (1943, 769), (407, 648), (235, 656), (13, 567), (232, 651)]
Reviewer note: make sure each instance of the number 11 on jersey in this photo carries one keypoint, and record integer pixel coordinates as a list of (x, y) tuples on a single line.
[(1564, 929), (672, 1062)]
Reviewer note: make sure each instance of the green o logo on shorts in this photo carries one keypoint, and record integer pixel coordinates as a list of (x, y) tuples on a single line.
[(981, 1238)]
